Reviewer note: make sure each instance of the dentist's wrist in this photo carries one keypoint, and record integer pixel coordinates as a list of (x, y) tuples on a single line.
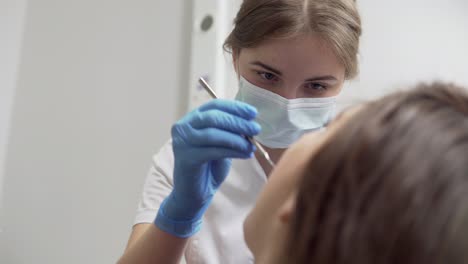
[(176, 225)]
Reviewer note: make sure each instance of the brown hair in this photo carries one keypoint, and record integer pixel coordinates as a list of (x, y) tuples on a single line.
[(336, 21), (391, 186)]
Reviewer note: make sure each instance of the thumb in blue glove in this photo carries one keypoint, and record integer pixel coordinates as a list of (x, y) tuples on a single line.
[(204, 141)]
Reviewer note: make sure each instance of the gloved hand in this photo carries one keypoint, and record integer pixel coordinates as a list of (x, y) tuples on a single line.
[(204, 141)]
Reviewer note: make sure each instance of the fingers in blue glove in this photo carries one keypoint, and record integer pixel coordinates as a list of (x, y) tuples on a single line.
[(203, 154), (212, 137), (220, 124), (233, 107), (224, 121)]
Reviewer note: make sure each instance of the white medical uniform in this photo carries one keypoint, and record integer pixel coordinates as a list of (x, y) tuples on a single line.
[(221, 239)]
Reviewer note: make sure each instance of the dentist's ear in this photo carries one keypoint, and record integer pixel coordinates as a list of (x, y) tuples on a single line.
[(235, 61)]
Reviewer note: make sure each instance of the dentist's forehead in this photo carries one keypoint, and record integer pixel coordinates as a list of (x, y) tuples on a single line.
[(302, 55)]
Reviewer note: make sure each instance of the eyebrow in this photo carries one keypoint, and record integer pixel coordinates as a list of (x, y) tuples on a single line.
[(278, 72), (263, 65), (322, 78)]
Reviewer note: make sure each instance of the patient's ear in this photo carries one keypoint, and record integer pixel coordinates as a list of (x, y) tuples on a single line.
[(287, 209)]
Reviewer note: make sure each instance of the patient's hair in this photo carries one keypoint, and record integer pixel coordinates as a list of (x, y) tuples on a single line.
[(391, 186)]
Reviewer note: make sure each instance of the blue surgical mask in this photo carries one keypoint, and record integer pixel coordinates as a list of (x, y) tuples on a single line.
[(284, 120)]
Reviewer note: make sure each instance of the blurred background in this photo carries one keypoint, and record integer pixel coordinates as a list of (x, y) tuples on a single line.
[(89, 90)]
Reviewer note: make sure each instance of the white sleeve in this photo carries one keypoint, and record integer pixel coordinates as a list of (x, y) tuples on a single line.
[(158, 185)]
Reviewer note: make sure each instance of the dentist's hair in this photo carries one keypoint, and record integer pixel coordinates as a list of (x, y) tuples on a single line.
[(391, 186), (336, 21)]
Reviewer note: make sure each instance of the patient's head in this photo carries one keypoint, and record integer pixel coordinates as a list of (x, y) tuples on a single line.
[(387, 183)]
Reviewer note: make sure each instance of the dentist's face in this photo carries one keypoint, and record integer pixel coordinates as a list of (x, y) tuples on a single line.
[(299, 67)]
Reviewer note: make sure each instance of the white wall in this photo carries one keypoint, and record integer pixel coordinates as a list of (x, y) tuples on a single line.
[(100, 83), (11, 29), (405, 42)]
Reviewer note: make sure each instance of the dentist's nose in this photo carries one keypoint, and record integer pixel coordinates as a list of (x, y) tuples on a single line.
[(289, 91)]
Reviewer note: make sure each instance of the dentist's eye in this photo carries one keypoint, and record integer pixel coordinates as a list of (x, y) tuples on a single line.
[(316, 87), (267, 76)]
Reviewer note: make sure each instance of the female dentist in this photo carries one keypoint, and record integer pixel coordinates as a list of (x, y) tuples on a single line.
[(292, 58)]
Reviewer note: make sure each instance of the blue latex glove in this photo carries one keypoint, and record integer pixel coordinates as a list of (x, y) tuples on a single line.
[(204, 141)]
